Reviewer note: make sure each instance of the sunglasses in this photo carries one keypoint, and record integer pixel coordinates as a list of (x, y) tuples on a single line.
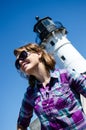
[(23, 55)]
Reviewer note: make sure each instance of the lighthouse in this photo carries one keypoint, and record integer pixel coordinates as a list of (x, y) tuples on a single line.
[(53, 37)]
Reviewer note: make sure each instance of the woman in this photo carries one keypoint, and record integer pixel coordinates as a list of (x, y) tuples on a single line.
[(53, 94)]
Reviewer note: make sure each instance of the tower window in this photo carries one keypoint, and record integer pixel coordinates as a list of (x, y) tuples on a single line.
[(63, 58), (52, 43), (46, 22)]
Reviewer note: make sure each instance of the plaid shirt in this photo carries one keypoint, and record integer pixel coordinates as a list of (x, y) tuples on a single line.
[(58, 105)]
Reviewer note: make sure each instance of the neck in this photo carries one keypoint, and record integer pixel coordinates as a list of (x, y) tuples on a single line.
[(42, 74)]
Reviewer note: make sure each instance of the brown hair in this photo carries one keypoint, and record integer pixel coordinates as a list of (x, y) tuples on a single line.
[(46, 58)]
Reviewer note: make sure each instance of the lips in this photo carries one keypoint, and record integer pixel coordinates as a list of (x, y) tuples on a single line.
[(24, 65)]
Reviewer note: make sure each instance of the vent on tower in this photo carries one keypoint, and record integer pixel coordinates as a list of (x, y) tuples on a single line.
[(52, 43)]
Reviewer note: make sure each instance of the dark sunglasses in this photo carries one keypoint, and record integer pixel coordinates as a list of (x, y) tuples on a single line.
[(23, 55)]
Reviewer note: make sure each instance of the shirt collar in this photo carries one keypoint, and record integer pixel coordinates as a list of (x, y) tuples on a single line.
[(53, 80)]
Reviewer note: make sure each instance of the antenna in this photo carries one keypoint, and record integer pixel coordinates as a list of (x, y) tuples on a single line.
[(37, 18)]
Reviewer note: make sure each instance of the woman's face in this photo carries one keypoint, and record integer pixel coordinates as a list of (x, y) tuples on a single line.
[(30, 62)]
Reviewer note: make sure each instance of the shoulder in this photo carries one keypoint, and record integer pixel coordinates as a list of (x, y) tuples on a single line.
[(62, 74), (56, 72), (59, 73)]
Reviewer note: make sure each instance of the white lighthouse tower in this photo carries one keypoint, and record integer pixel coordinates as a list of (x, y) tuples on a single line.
[(53, 36)]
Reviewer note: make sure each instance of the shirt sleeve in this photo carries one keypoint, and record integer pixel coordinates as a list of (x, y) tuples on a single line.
[(25, 114), (77, 81)]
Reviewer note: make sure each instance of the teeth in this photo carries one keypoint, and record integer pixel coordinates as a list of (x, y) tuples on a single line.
[(25, 63)]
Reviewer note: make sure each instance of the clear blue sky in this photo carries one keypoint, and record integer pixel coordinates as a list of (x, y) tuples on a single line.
[(17, 18)]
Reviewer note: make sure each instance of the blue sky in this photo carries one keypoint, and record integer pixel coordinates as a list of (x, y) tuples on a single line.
[(17, 18)]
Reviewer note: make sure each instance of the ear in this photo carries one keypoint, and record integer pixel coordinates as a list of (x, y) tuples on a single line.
[(39, 54)]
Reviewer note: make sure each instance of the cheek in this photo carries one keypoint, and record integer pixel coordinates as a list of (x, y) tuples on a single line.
[(35, 59), (35, 62)]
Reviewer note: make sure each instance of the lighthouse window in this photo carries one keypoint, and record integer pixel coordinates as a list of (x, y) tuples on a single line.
[(40, 27), (46, 22), (63, 58)]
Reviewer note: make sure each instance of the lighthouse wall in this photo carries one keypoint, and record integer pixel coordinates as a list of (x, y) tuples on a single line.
[(64, 52)]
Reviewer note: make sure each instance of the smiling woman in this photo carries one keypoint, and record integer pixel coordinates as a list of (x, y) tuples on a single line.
[(30, 56), (53, 94)]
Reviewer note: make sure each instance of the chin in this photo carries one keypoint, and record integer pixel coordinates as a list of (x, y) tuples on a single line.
[(28, 71)]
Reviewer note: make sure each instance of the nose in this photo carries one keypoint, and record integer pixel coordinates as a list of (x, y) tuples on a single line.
[(22, 62)]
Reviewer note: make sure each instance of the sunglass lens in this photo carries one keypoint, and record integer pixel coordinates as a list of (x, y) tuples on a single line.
[(17, 65), (22, 56)]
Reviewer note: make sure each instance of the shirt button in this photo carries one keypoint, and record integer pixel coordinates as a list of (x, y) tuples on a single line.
[(52, 118)]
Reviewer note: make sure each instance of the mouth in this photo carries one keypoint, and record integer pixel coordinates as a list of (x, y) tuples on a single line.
[(24, 65)]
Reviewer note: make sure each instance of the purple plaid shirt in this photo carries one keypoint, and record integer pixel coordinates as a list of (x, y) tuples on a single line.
[(58, 105)]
